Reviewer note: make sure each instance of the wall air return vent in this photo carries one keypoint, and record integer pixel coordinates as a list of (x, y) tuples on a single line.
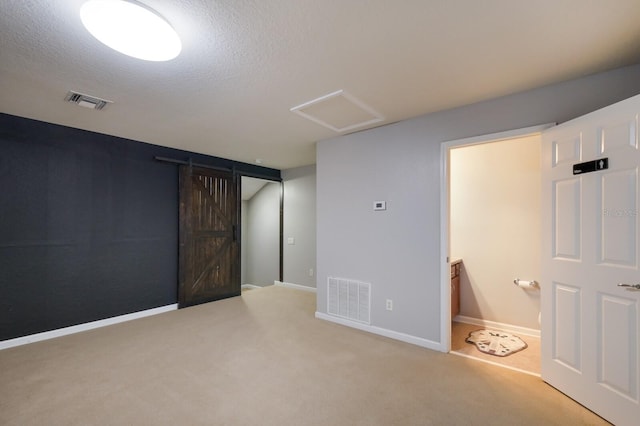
[(86, 101), (339, 111), (349, 299)]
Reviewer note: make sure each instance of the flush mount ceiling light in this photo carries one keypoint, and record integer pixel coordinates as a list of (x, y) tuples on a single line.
[(131, 28)]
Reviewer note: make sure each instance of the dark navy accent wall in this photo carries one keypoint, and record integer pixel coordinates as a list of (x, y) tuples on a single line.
[(88, 225)]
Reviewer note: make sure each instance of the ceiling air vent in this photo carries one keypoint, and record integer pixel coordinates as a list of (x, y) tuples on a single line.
[(86, 101)]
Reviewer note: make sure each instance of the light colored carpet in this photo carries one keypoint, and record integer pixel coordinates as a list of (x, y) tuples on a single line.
[(262, 359)]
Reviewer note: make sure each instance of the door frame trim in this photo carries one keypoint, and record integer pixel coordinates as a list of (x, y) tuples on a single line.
[(445, 273)]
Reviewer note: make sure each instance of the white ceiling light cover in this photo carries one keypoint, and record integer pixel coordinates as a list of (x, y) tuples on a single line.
[(339, 111), (131, 28)]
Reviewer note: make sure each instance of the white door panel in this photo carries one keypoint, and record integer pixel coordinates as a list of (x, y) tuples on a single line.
[(566, 216), (617, 356), (567, 311), (590, 326), (617, 201)]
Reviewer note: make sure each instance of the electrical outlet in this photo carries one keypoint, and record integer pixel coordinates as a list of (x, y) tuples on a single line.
[(310, 272), (389, 305)]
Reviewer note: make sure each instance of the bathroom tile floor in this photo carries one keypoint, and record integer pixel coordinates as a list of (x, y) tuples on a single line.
[(527, 360)]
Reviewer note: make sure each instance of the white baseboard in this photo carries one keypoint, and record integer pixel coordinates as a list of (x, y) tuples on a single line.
[(295, 286), (24, 340), (407, 338), (498, 325)]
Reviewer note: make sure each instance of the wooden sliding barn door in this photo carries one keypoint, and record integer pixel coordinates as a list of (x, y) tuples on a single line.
[(209, 254)]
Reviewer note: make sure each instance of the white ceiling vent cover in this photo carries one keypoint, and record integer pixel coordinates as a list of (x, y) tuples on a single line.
[(349, 299), (86, 101), (339, 111)]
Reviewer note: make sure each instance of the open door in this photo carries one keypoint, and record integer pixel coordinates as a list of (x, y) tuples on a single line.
[(209, 256), (590, 318)]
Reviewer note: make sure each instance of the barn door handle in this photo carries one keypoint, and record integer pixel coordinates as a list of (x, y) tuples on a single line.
[(630, 286), (233, 232)]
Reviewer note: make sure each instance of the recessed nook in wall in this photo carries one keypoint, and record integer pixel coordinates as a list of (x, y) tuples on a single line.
[(260, 232)]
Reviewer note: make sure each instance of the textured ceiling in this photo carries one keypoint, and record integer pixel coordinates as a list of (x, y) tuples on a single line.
[(245, 63)]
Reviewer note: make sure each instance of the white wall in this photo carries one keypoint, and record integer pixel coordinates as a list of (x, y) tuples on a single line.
[(300, 224), (398, 251), (495, 228), (263, 236)]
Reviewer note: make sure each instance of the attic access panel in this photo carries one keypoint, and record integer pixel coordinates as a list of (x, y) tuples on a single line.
[(338, 111)]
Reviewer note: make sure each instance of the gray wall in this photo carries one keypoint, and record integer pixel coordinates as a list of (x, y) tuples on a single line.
[(300, 223), (262, 234), (398, 250), (243, 242)]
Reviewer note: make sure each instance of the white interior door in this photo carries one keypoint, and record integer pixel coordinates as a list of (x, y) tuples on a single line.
[(590, 325)]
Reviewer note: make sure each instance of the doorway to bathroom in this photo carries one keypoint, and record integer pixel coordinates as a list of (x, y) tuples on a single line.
[(494, 239)]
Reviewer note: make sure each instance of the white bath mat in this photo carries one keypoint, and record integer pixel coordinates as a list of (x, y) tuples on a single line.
[(498, 343)]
